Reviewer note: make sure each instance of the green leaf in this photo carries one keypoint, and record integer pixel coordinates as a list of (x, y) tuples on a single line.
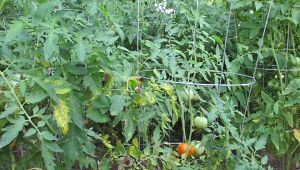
[(258, 5), (81, 51), (14, 30), (90, 82), (275, 139), (97, 117), (50, 90), (52, 146), (9, 110), (156, 135), (240, 3), (11, 131), (218, 39), (47, 156), (50, 46), (71, 147), (147, 115), (76, 111), (119, 30), (289, 118), (293, 99), (264, 160), (276, 108), (105, 164), (48, 136), (30, 132), (293, 86), (261, 142), (35, 96), (295, 16), (108, 37), (117, 105), (250, 142), (267, 98), (129, 127)]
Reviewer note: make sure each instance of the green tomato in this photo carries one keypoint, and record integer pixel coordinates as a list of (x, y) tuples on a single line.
[(258, 75), (271, 84), (295, 71), (200, 122), (199, 149), (188, 95)]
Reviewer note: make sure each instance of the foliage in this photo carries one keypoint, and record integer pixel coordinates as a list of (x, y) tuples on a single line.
[(78, 90)]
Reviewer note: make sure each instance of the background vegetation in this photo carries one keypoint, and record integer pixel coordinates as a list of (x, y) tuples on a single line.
[(79, 90)]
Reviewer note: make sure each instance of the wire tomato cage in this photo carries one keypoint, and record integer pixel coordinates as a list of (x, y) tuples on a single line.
[(222, 74)]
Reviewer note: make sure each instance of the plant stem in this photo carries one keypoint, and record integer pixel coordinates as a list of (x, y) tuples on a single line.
[(19, 102), (294, 150)]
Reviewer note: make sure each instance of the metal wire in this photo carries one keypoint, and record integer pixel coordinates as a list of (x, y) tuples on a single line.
[(257, 59), (256, 63), (272, 69), (251, 79), (137, 49), (225, 45)]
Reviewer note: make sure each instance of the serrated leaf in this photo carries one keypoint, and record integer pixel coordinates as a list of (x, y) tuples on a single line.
[(295, 16), (48, 136), (264, 160), (240, 3), (297, 134), (105, 164), (50, 90), (11, 131), (47, 156), (81, 51), (119, 30), (292, 86), (250, 142), (267, 98), (71, 147), (129, 128), (276, 108), (50, 46), (14, 30), (41, 123), (289, 118), (52, 146), (30, 132), (76, 111), (9, 110), (97, 117), (156, 135), (147, 115), (258, 5), (117, 105), (261, 142), (275, 140), (22, 88), (35, 96)]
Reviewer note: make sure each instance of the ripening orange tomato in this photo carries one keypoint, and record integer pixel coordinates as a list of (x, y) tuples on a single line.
[(182, 148)]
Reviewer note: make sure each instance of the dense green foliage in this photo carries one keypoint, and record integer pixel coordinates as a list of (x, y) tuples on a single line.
[(79, 90)]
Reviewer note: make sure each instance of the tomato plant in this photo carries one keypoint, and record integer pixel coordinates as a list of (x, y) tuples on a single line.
[(83, 85)]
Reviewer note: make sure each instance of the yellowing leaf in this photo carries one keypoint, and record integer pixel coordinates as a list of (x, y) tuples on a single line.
[(62, 91), (61, 115), (167, 88), (297, 134)]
